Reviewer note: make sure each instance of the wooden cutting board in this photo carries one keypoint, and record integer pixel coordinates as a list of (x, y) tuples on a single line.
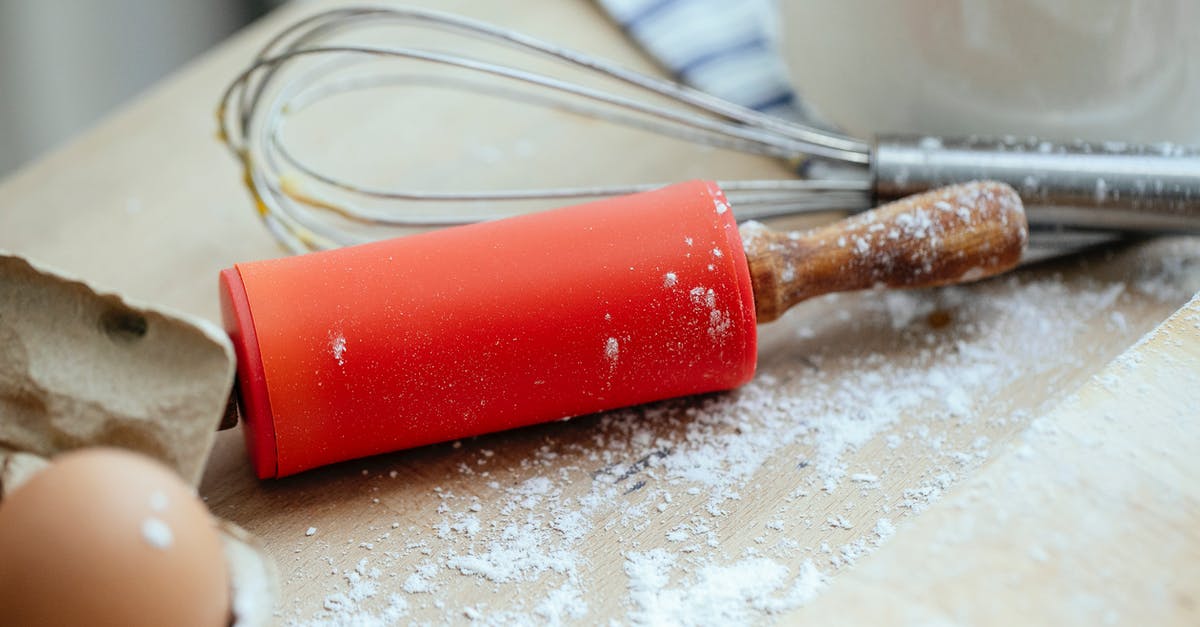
[(1016, 458)]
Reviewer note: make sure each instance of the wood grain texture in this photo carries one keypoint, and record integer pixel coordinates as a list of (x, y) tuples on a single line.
[(1090, 518), (956, 234), (150, 204)]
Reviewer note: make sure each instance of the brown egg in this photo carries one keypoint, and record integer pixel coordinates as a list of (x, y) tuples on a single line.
[(109, 537)]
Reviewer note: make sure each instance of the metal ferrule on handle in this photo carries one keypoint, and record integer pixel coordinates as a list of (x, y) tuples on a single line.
[(1108, 185)]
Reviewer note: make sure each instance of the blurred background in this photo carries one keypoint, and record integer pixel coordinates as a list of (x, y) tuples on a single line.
[(1095, 69), (64, 64)]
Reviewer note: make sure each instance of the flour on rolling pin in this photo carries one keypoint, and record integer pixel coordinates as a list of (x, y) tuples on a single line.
[(950, 235), (849, 388), (468, 325), (560, 313)]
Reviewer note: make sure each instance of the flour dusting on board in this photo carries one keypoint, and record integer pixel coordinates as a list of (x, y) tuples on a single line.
[(848, 386), (720, 595)]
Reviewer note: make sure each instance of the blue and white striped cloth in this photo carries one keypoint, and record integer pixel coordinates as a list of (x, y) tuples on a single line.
[(723, 47)]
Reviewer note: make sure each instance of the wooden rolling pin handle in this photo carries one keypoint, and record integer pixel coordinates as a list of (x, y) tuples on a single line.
[(949, 235)]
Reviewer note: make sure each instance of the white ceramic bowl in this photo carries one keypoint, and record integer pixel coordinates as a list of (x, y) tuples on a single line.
[(1092, 69)]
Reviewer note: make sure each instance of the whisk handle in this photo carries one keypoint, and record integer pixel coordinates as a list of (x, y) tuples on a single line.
[(1114, 185), (949, 235)]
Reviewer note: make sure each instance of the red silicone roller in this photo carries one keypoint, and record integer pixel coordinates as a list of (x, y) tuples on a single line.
[(394, 344), (399, 343)]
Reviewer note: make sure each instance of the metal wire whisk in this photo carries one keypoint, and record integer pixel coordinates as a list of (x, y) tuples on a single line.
[(1082, 192)]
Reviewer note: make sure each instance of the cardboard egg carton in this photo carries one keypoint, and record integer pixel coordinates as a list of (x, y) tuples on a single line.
[(83, 367)]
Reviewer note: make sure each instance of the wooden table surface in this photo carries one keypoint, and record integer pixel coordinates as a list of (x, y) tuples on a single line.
[(991, 454)]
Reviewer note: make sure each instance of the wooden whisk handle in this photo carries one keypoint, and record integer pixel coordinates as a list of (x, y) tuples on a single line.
[(949, 235)]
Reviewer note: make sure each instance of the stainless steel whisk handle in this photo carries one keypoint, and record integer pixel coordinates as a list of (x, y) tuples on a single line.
[(1104, 185)]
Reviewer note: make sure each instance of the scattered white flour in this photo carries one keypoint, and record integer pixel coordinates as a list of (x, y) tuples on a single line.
[(346, 608), (337, 347), (719, 320), (421, 580), (157, 533), (663, 490), (560, 605), (612, 349), (669, 279), (884, 530), (717, 595)]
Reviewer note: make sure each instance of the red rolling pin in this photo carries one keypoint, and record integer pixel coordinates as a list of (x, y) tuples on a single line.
[(433, 337)]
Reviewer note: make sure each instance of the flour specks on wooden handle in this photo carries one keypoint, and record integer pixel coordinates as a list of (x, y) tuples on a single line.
[(949, 235), (559, 313)]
